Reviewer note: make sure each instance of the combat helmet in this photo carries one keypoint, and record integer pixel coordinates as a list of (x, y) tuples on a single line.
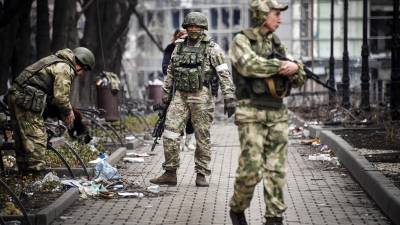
[(84, 57), (260, 8), (196, 19)]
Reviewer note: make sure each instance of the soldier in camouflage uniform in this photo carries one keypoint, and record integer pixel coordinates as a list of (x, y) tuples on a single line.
[(48, 81), (195, 61), (262, 81)]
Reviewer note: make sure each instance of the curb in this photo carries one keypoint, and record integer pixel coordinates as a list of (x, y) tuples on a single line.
[(378, 187), (47, 215), (54, 210)]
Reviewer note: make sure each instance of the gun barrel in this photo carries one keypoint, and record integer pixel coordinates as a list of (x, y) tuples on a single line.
[(314, 77)]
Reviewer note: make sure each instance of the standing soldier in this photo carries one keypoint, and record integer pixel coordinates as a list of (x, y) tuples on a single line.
[(262, 80), (48, 81), (195, 60)]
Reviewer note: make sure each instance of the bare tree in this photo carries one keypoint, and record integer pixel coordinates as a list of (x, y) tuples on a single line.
[(42, 29)]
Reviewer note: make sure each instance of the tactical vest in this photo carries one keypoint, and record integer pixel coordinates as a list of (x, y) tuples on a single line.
[(32, 88), (261, 91), (31, 76), (189, 72)]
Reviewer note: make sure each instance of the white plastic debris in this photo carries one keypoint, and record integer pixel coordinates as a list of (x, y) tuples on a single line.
[(133, 159), (92, 148), (154, 189), (71, 183), (130, 138), (144, 154), (50, 177), (105, 170), (325, 149), (65, 217), (320, 157), (118, 186), (131, 194)]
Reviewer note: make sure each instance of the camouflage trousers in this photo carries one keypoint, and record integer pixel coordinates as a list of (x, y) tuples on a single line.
[(199, 107), (30, 136), (263, 138)]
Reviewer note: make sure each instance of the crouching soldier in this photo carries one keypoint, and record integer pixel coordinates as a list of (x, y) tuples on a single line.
[(47, 81)]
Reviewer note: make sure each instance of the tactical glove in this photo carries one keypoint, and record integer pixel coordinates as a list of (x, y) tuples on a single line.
[(229, 106), (165, 98)]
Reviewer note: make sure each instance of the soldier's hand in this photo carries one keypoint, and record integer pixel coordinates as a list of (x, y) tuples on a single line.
[(229, 106), (69, 120), (165, 98), (288, 68)]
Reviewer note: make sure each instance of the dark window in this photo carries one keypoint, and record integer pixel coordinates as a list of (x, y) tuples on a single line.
[(236, 16), (214, 18), (150, 15), (225, 17), (175, 19)]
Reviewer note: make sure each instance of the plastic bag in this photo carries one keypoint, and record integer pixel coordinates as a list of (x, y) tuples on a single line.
[(104, 169)]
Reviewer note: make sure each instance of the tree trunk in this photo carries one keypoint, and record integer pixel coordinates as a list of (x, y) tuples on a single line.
[(42, 29), (60, 24), (15, 36), (22, 54)]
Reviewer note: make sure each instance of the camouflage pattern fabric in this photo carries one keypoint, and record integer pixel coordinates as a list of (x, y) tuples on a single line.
[(216, 60), (29, 129), (29, 135), (263, 138), (200, 106), (263, 131)]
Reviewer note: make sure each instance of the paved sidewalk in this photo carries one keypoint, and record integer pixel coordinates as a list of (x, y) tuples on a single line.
[(314, 194)]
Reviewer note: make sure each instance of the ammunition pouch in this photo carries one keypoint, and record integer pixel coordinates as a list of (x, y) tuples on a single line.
[(31, 98), (188, 79)]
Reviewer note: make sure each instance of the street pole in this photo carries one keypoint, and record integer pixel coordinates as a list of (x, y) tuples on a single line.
[(331, 79), (395, 76), (365, 66), (345, 77)]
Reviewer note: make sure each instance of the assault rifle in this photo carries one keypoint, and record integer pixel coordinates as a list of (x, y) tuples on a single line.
[(310, 74), (159, 127)]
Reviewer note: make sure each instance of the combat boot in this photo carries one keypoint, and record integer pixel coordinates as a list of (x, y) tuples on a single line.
[(237, 218), (274, 221), (168, 178), (201, 180)]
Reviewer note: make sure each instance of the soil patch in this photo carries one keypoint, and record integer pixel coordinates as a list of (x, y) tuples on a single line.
[(369, 138)]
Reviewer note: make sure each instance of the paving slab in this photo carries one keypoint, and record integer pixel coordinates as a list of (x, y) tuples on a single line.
[(314, 194)]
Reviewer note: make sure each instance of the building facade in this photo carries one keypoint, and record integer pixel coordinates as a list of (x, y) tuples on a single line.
[(305, 31)]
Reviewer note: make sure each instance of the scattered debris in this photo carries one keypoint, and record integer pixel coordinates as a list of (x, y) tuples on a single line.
[(65, 217), (137, 154), (313, 142), (133, 159), (320, 157), (131, 194), (154, 189), (104, 170)]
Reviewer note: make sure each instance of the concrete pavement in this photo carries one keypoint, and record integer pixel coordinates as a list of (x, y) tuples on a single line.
[(315, 193)]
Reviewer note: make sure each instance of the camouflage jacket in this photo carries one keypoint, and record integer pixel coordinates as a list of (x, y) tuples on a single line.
[(249, 56), (215, 59), (57, 79)]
